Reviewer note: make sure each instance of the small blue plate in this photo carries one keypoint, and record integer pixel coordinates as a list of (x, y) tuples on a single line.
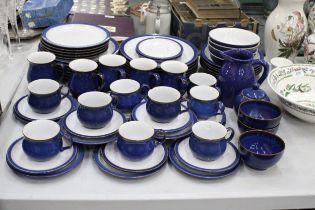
[(195, 173), (98, 157)]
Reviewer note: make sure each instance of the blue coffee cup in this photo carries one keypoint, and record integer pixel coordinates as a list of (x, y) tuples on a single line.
[(41, 66), (163, 104), (208, 140), (143, 71), (136, 140), (203, 101), (95, 109), (127, 93), (45, 95), (112, 68), (84, 77), (42, 139), (173, 75)]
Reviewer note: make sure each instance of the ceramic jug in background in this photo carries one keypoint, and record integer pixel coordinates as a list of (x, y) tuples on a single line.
[(285, 29), (157, 17), (237, 73)]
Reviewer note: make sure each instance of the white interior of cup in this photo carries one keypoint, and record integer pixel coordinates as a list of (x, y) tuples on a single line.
[(143, 64), (202, 79), (209, 130), (43, 86), (234, 36), (204, 93), (39, 130), (163, 94), (136, 131), (124, 86), (112, 60), (175, 67), (280, 61), (94, 99), (41, 57), (83, 65)]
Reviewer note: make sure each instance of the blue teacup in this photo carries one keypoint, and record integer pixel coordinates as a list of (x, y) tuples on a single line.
[(42, 139), (112, 68), (41, 66), (143, 71), (45, 95), (173, 75), (163, 104), (95, 109), (127, 93), (84, 77), (203, 101), (208, 140), (201, 78), (136, 140)]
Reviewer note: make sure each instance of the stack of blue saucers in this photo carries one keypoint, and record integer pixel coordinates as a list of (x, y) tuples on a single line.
[(60, 164), (183, 159), (110, 160), (88, 136)]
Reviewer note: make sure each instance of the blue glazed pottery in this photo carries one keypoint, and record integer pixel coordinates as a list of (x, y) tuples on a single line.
[(42, 139), (95, 109), (143, 71), (208, 140), (173, 75), (251, 93), (84, 77), (243, 128), (45, 95), (203, 101), (222, 48), (237, 73), (127, 93), (136, 140), (200, 78), (163, 104), (41, 66), (259, 114), (112, 68), (260, 150)]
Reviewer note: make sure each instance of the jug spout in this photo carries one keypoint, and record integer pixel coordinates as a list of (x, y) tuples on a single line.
[(238, 55)]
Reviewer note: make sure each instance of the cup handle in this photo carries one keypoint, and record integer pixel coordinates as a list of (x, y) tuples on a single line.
[(114, 100), (121, 74), (183, 83), (266, 70), (68, 137), (63, 67), (144, 89), (231, 135), (102, 79), (156, 79), (163, 139), (221, 106), (187, 108), (64, 94)]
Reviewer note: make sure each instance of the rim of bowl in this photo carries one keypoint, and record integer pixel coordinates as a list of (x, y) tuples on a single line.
[(265, 132), (210, 42)]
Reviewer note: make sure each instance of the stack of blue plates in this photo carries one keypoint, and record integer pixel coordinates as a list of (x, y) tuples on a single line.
[(62, 163), (183, 159)]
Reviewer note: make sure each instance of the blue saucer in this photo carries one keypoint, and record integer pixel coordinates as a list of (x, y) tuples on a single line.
[(98, 157), (195, 173)]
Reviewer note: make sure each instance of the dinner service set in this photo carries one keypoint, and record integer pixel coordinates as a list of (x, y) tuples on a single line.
[(43, 151)]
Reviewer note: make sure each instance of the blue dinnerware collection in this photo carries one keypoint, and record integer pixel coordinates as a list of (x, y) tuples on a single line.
[(144, 106)]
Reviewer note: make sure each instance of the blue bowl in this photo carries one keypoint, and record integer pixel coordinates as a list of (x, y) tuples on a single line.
[(260, 150), (243, 128), (259, 114)]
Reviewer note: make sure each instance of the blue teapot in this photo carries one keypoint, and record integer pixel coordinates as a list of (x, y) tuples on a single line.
[(237, 73)]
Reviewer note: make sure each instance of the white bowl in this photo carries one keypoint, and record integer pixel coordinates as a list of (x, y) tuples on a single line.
[(295, 87)]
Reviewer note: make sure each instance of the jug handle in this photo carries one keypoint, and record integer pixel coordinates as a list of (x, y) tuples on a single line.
[(265, 70), (143, 11), (158, 21)]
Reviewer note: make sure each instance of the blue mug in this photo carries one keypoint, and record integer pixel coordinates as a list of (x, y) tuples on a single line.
[(163, 104), (41, 66), (127, 93), (84, 77), (45, 95), (95, 109), (143, 71), (208, 140), (201, 78), (136, 140), (203, 101), (42, 139), (112, 68), (173, 75)]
